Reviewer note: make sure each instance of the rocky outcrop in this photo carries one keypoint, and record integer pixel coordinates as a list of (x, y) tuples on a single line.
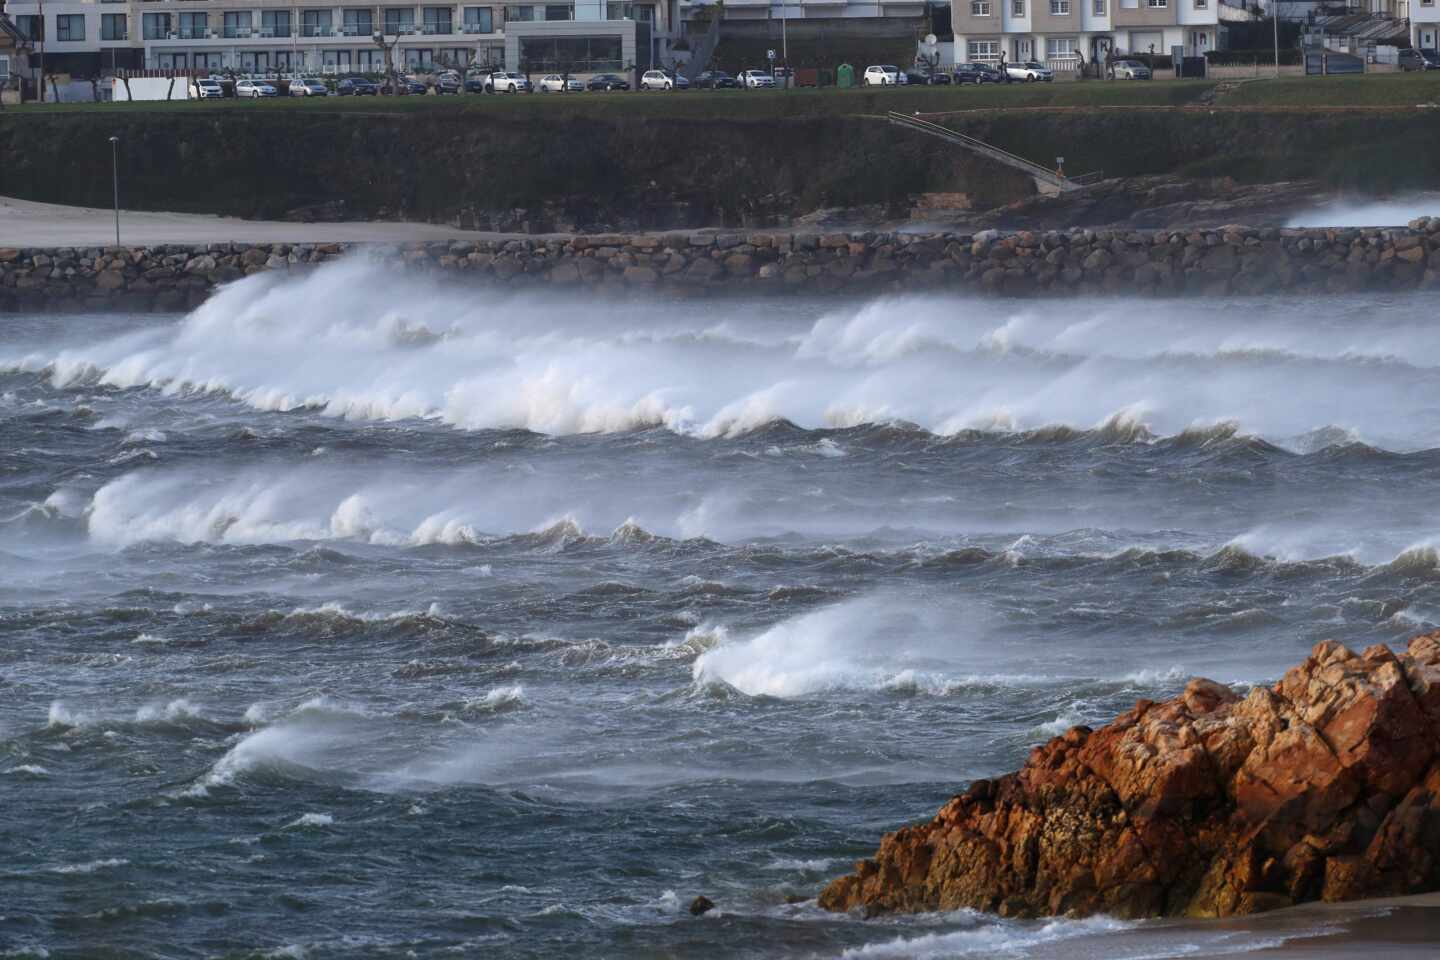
[(1228, 260), (1325, 786)]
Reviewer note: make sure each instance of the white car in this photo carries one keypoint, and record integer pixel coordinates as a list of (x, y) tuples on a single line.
[(754, 79), (255, 89), (203, 88), (880, 76), (1131, 70), (1029, 71), (507, 83), (554, 83), (656, 80), (308, 87)]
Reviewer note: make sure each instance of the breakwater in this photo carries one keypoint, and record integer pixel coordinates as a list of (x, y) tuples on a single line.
[(1229, 260)]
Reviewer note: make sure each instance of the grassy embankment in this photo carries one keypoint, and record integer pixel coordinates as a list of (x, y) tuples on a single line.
[(685, 159)]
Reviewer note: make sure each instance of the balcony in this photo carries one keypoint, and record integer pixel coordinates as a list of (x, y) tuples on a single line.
[(238, 33), (193, 33), (352, 30), (316, 30)]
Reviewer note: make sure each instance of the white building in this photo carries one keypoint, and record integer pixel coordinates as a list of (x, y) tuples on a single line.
[(83, 37), (1061, 31), (1425, 24)]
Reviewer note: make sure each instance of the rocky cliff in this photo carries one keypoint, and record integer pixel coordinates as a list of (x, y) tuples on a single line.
[(1325, 786)]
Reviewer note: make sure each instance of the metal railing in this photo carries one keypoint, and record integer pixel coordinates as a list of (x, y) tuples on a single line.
[(984, 149)]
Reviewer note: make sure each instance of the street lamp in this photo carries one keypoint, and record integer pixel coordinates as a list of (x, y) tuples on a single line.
[(115, 181)]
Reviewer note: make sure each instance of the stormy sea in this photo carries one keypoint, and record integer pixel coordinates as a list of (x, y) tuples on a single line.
[(357, 615)]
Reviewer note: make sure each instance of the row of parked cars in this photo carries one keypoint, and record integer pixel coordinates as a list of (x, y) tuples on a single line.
[(1024, 71)]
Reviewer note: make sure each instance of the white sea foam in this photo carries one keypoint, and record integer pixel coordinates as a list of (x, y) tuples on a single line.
[(988, 938), (92, 866), (29, 769), (1392, 213), (311, 820), (180, 709)]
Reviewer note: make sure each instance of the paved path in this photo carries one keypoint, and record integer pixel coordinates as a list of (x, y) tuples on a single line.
[(24, 223)]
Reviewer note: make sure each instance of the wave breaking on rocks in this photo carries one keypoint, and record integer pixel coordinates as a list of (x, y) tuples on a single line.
[(1325, 786)]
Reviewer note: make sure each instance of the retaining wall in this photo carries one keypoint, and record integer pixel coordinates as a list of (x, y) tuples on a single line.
[(1239, 260)]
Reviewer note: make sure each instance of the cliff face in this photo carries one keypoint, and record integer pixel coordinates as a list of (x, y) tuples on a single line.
[(1324, 786)]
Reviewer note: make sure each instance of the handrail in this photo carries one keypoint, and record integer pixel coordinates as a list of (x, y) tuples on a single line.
[(985, 149)]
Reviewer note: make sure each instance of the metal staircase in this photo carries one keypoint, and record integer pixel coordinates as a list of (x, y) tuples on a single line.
[(1046, 180)]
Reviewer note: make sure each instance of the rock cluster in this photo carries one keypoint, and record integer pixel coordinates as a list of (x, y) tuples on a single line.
[(1325, 786), (1219, 261)]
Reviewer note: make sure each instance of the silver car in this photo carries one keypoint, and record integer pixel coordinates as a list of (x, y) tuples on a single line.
[(1131, 70), (1029, 71)]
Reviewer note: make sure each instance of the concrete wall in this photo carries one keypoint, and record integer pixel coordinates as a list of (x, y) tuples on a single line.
[(1230, 260)]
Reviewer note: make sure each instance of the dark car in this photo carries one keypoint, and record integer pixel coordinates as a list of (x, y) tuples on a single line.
[(926, 79), (412, 87), (1413, 59), (608, 81), (977, 73), (447, 84), (357, 87), (716, 80), (475, 83)]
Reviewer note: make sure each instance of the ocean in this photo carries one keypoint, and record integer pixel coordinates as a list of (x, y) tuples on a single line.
[(358, 614)]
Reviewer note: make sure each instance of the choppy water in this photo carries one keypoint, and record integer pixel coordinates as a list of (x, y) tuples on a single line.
[(357, 617)]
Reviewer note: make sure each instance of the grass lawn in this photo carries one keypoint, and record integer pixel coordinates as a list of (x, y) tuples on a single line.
[(750, 104), (1375, 90)]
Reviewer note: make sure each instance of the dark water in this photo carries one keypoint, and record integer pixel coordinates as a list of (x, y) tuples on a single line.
[(351, 618)]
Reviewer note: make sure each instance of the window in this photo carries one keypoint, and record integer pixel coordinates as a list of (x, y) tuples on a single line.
[(1201, 4), (337, 59), (1157, 4), (366, 61), (171, 61), (318, 23), (418, 58), (979, 8), (156, 26), (209, 61), (4, 68), (194, 26), (275, 23), (520, 14), (253, 62), (437, 20), (983, 50), (31, 27), (359, 23), (559, 11), (1017, 8), (1098, 8), (114, 26), (237, 25), (1059, 8), (70, 26), (1060, 48), (282, 61), (572, 54), (479, 20), (399, 21)]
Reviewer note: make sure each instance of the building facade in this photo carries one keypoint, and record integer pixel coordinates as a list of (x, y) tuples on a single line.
[(264, 37), (1061, 32), (1425, 24)]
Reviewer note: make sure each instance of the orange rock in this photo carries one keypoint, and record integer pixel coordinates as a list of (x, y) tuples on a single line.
[(1326, 785)]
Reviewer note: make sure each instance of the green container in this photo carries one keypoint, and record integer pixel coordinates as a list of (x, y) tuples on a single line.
[(844, 75)]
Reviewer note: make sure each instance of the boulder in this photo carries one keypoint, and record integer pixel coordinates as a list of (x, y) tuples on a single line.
[(1324, 786)]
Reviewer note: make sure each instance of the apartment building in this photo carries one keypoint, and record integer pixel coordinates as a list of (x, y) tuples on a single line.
[(1425, 24), (83, 37), (1060, 32)]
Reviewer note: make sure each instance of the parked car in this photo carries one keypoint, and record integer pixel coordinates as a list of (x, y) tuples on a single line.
[(507, 83), (448, 83), (927, 79), (1131, 70), (357, 87), (308, 87), (409, 86), (716, 80), (255, 89), (680, 81), (608, 81), (555, 83), (1412, 59), (203, 88), (977, 73), (475, 83), (754, 79), (881, 76), (656, 80), (1029, 71)]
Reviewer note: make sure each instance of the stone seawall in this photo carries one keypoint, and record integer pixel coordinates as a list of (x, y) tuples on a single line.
[(1229, 260)]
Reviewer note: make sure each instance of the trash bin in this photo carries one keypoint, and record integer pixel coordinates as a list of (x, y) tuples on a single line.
[(844, 75)]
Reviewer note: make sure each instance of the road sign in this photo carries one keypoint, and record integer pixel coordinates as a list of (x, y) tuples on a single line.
[(770, 54)]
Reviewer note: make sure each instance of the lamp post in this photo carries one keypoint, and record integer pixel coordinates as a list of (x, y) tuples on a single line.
[(1275, 22), (115, 182)]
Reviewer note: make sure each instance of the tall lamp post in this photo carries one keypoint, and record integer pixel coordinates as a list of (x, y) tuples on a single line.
[(115, 182), (1275, 22)]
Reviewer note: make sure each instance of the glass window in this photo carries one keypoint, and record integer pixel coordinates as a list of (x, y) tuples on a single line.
[(317, 23), (479, 20), (418, 58), (398, 21), (1157, 4), (1017, 8), (984, 50), (70, 26), (30, 26), (359, 23), (559, 11), (114, 26), (1201, 4), (437, 20), (209, 61), (4, 67), (237, 25), (156, 26), (1098, 7), (367, 61), (643, 13), (520, 14), (275, 23), (194, 26), (171, 61), (979, 8), (572, 54), (1059, 8), (1060, 48)]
